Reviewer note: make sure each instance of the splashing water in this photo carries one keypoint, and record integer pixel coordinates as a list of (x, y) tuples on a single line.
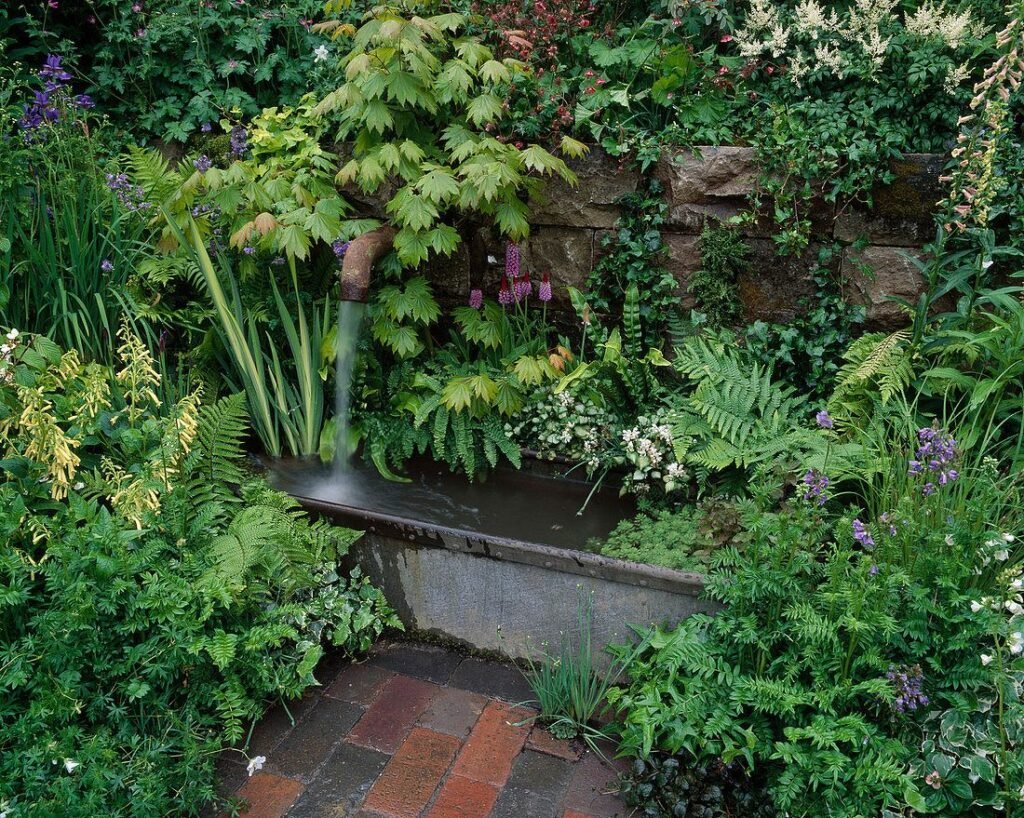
[(350, 318)]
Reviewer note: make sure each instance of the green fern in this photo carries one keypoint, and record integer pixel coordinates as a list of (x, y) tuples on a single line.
[(878, 366)]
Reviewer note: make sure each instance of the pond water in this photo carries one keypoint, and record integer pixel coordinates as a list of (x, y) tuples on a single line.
[(514, 505)]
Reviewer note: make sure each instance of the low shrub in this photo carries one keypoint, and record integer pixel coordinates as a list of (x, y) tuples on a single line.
[(148, 610)]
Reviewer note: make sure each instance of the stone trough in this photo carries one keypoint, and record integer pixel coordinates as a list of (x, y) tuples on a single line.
[(496, 566)]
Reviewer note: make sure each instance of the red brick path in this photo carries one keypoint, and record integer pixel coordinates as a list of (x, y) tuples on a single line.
[(418, 732)]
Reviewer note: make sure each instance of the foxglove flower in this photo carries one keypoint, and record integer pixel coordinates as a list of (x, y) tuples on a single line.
[(544, 291), (476, 299)]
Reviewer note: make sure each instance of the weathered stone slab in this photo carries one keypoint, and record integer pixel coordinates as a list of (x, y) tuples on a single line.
[(682, 260), (709, 183), (774, 286), (602, 180), (902, 212), (872, 275)]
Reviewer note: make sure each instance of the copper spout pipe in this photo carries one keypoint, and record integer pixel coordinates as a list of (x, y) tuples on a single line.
[(359, 259)]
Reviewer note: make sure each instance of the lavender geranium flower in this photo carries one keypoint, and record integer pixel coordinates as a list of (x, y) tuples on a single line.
[(476, 299), (816, 485), (907, 682), (862, 535), (824, 420), (203, 163)]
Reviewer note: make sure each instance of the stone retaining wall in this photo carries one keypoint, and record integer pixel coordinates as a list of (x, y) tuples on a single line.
[(568, 224)]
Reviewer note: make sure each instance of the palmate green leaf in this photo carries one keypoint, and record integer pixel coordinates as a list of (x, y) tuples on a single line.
[(377, 116), (412, 300), (472, 51), (534, 369), (454, 82), (494, 72), (403, 341), (370, 174), (484, 109), (412, 247), (443, 239), (438, 185), (511, 217), (403, 88), (412, 210), (508, 397), (293, 240)]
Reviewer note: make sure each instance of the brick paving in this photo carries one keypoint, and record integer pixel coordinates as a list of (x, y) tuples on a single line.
[(417, 731)]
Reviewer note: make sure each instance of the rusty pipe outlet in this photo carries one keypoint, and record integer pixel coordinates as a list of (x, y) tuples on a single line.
[(359, 259)]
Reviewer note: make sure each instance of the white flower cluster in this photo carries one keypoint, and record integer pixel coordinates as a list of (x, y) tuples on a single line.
[(815, 38), (1011, 603), (649, 448), (7, 356)]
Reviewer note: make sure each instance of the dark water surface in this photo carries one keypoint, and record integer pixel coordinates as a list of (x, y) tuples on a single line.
[(514, 505)]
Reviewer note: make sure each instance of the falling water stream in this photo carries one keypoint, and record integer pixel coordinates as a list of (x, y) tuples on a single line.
[(509, 503), (350, 319)]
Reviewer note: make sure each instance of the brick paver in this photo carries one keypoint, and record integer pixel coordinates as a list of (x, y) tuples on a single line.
[(494, 744), (464, 798), (412, 775), (419, 732), (268, 796), (398, 705)]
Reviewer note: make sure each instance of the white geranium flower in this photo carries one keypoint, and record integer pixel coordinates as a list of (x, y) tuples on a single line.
[(986, 659), (975, 607), (70, 764), (256, 764), (321, 54)]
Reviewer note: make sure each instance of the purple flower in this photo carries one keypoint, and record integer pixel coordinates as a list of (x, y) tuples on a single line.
[(817, 485), (248, 250), (862, 535), (202, 164), (504, 292), (476, 299), (521, 287), (239, 141), (873, 570), (511, 260), (53, 69), (206, 127), (824, 419), (84, 101), (935, 455), (907, 682), (886, 518), (544, 291), (107, 265), (278, 261), (132, 197), (340, 247)]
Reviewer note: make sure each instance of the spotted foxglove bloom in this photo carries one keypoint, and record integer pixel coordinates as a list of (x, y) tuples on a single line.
[(544, 291), (256, 764)]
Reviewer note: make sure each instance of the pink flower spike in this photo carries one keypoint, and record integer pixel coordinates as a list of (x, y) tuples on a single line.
[(476, 299), (544, 291)]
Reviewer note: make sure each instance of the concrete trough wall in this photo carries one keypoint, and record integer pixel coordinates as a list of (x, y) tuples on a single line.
[(513, 597)]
